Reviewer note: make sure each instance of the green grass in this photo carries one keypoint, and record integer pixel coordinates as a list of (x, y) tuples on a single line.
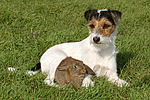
[(29, 27)]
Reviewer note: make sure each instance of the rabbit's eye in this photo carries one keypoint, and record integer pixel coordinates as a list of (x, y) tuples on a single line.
[(75, 66)]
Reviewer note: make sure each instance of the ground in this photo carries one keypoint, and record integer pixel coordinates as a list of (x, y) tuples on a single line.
[(29, 27)]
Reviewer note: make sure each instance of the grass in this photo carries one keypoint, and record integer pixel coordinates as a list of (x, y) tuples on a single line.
[(29, 27)]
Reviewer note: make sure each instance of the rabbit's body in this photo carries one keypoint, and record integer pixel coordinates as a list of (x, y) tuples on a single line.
[(72, 71), (63, 78)]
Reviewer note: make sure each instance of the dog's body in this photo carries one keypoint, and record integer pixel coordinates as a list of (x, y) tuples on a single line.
[(97, 49)]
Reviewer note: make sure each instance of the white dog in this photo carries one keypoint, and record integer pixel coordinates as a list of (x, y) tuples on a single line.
[(97, 50)]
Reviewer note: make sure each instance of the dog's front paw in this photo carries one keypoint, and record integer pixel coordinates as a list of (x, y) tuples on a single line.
[(87, 82), (121, 83)]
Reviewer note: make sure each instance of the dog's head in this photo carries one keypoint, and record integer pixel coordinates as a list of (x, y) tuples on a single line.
[(103, 26)]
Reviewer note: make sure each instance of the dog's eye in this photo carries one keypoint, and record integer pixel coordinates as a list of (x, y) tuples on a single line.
[(106, 26), (92, 26)]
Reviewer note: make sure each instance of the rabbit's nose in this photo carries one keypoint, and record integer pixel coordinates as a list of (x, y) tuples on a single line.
[(83, 71)]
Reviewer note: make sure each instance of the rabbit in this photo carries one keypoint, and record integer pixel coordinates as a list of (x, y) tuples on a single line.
[(72, 71)]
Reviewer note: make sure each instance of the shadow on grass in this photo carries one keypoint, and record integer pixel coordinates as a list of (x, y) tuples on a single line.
[(123, 58), (145, 80)]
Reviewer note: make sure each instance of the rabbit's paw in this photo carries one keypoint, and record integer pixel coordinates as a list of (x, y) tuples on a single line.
[(50, 83), (87, 82)]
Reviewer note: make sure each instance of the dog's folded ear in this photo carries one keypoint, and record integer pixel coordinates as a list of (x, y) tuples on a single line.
[(116, 15), (90, 14)]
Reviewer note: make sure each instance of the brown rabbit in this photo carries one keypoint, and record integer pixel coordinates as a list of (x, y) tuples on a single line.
[(72, 71)]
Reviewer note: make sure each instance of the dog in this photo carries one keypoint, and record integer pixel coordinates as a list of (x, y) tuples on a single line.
[(98, 50)]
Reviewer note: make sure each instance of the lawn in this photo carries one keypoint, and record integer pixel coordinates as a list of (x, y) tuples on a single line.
[(29, 27)]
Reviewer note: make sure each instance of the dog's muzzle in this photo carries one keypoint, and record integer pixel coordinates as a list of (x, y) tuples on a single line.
[(96, 39)]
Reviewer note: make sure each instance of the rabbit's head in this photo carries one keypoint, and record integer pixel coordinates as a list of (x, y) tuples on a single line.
[(75, 67)]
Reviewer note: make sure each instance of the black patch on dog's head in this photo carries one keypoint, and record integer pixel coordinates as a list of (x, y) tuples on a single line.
[(116, 16), (113, 16), (107, 14), (90, 14)]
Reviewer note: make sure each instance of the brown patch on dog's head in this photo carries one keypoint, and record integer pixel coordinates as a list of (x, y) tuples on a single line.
[(92, 24), (104, 22), (104, 26)]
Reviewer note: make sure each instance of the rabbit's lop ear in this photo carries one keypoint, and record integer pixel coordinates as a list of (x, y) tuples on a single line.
[(89, 70), (63, 67)]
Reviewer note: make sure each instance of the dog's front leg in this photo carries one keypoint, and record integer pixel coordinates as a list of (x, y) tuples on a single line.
[(111, 75)]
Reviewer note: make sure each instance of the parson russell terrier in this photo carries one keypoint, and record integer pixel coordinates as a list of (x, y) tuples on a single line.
[(98, 50)]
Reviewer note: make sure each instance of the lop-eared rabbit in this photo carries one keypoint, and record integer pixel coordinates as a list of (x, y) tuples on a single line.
[(72, 71)]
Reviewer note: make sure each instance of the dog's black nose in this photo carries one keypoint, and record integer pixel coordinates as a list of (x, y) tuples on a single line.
[(96, 39)]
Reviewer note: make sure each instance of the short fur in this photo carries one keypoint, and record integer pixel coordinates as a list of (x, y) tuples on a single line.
[(98, 49)]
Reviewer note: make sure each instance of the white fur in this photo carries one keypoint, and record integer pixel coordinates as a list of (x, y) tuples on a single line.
[(102, 10), (11, 69), (103, 54)]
